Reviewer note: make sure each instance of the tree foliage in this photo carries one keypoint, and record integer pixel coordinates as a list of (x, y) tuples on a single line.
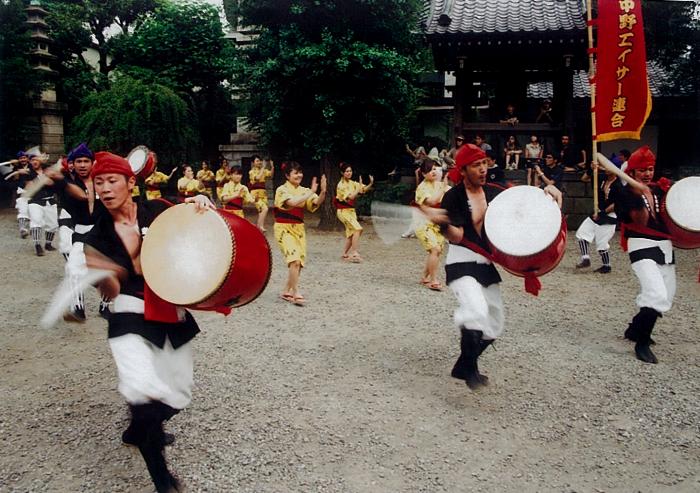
[(18, 80), (182, 45), (135, 112), (330, 79)]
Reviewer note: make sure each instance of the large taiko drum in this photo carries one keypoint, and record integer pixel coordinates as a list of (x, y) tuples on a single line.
[(141, 161), (680, 212), (205, 260), (526, 231)]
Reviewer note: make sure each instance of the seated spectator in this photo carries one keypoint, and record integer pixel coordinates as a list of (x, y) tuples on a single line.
[(480, 142), (533, 156), (449, 159), (512, 152), (510, 117), (551, 174), (571, 160), (495, 173), (545, 115)]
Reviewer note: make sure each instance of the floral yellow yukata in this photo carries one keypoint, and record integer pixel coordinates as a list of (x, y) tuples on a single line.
[(346, 209), (429, 234), (235, 206), (222, 178), (153, 183), (258, 177), (290, 233), (188, 188)]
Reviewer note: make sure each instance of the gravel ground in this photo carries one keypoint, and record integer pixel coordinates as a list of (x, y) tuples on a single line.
[(352, 392)]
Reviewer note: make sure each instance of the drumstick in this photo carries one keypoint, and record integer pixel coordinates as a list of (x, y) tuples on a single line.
[(393, 220), (611, 168), (40, 182), (11, 161), (64, 297)]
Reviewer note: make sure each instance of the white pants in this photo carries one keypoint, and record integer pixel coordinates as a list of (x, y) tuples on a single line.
[(149, 373), (43, 216), (65, 234), (657, 282), (479, 308), (600, 233), (21, 205)]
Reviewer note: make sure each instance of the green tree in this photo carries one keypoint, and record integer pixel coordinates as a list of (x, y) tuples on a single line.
[(133, 111), (182, 45), (330, 80), (18, 80)]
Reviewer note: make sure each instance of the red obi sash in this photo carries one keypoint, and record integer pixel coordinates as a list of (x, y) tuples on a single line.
[(295, 215), (152, 188), (234, 204), (343, 204), (256, 186)]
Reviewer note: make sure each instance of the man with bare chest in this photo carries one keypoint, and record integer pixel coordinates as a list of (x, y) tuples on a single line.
[(151, 348), (471, 275)]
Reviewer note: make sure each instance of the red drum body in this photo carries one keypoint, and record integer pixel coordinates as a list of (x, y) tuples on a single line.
[(141, 162), (526, 231), (680, 212), (205, 260)]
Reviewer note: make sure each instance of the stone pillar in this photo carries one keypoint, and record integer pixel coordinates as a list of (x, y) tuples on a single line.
[(46, 117)]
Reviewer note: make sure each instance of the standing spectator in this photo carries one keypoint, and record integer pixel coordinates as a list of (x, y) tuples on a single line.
[(545, 115), (533, 157), (512, 152)]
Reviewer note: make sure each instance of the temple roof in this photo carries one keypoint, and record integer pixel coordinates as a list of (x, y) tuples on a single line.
[(502, 16), (659, 84)]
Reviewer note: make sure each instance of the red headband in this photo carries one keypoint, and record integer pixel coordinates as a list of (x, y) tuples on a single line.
[(642, 158), (106, 162), (466, 155)]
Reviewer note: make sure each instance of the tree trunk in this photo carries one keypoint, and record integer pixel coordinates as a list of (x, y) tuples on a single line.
[(329, 221)]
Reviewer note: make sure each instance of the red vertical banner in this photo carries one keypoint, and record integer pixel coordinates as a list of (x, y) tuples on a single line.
[(623, 100)]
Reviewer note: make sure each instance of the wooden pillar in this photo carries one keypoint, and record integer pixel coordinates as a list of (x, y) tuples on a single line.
[(461, 96)]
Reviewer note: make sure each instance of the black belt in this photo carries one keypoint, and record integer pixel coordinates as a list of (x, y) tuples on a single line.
[(485, 274), (651, 253)]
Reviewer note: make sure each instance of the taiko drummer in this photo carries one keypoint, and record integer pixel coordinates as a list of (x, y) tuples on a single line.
[(149, 338), (291, 199), (471, 275)]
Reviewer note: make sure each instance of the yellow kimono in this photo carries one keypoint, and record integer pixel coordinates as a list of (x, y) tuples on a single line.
[(429, 234), (289, 226), (222, 177), (345, 209), (235, 205), (258, 177), (188, 188), (153, 184), (206, 177)]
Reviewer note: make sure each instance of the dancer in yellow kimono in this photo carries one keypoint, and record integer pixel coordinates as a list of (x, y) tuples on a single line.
[(235, 194), (156, 180), (345, 195), (429, 193), (207, 179), (223, 176), (188, 186), (290, 201), (259, 175)]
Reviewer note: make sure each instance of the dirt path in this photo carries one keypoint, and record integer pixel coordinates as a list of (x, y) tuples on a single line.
[(352, 393)]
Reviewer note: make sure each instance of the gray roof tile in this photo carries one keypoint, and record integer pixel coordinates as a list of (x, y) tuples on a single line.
[(490, 16)]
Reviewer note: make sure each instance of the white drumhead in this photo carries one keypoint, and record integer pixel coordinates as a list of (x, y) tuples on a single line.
[(522, 221), (683, 203), (137, 158), (186, 255)]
